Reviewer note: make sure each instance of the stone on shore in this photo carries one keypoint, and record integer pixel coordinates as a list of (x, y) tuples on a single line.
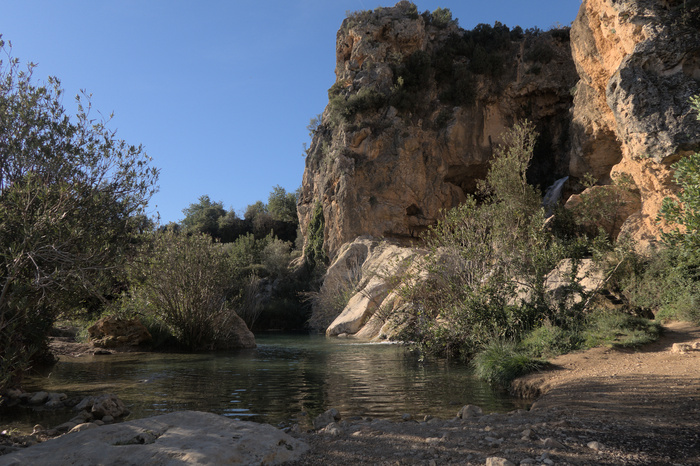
[(112, 332), (322, 420), (186, 437), (470, 411), (496, 461)]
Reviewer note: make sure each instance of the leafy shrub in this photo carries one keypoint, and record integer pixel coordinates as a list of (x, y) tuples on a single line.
[(667, 283), (186, 281), (489, 262), (441, 17), (72, 198), (500, 362), (541, 52), (619, 329), (343, 108), (314, 252), (550, 340), (685, 211)]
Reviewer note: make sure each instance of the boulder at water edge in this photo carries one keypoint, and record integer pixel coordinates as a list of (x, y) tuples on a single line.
[(186, 437)]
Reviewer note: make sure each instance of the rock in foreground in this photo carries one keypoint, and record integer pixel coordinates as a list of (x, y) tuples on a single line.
[(184, 437)]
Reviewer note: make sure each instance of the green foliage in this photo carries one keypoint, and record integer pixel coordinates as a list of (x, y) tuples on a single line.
[(72, 197), (314, 253), (186, 282), (441, 17), (411, 78), (344, 106), (489, 262), (668, 284), (540, 52), (500, 362), (283, 205), (619, 329), (203, 217), (550, 340)]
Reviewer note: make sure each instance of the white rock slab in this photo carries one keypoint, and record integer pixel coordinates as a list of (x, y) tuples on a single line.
[(185, 437)]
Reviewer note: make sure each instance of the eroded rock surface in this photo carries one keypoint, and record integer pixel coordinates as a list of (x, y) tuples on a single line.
[(186, 437), (415, 114), (639, 64), (373, 269)]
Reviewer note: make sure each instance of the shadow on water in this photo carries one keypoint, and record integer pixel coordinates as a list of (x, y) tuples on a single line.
[(287, 379)]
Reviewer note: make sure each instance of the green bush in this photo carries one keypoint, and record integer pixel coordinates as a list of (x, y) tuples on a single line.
[(501, 361), (549, 341), (186, 282), (685, 211), (667, 283), (72, 201), (541, 52), (489, 261), (619, 329), (441, 17), (314, 252)]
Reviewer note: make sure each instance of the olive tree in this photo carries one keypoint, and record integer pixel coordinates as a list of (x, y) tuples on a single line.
[(72, 197)]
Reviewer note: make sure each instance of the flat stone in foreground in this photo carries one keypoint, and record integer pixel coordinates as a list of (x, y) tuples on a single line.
[(186, 437)]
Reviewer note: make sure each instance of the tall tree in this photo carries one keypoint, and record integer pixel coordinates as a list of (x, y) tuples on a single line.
[(204, 216), (283, 205), (72, 197)]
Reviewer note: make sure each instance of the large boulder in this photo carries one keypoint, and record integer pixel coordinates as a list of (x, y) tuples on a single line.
[(112, 331), (375, 269), (180, 438)]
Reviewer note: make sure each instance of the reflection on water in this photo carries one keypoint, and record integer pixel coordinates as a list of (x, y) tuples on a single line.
[(287, 375)]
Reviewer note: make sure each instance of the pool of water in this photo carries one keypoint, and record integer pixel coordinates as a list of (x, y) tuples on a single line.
[(286, 379)]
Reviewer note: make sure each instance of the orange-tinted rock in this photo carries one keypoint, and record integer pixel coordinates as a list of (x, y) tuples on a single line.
[(388, 171), (639, 64), (112, 332)]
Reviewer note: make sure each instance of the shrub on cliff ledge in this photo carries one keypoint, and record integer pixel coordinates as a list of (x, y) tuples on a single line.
[(489, 262)]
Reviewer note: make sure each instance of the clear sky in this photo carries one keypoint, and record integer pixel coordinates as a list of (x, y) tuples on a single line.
[(218, 92)]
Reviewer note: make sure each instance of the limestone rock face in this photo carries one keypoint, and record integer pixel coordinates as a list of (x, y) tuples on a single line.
[(110, 332), (373, 268), (180, 438), (413, 119), (639, 63)]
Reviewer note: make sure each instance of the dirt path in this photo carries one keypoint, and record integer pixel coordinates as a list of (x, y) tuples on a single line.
[(602, 406)]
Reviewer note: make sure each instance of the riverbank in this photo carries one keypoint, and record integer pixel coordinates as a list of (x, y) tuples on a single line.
[(603, 406)]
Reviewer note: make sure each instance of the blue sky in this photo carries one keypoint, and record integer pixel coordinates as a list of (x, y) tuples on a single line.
[(218, 92)]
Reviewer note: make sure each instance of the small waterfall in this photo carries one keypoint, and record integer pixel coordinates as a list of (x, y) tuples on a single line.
[(552, 196)]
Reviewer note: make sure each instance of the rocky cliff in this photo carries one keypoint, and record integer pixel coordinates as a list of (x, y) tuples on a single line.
[(419, 104), (639, 63), (416, 109)]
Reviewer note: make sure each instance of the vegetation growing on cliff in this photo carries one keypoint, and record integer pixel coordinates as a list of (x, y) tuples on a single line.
[(490, 296), (669, 281), (489, 261)]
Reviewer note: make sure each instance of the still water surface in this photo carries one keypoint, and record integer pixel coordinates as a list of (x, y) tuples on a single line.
[(286, 379)]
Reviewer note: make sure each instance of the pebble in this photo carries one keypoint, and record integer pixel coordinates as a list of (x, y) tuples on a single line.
[(597, 446), (496, 461), (39, 398), (551, 443)]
